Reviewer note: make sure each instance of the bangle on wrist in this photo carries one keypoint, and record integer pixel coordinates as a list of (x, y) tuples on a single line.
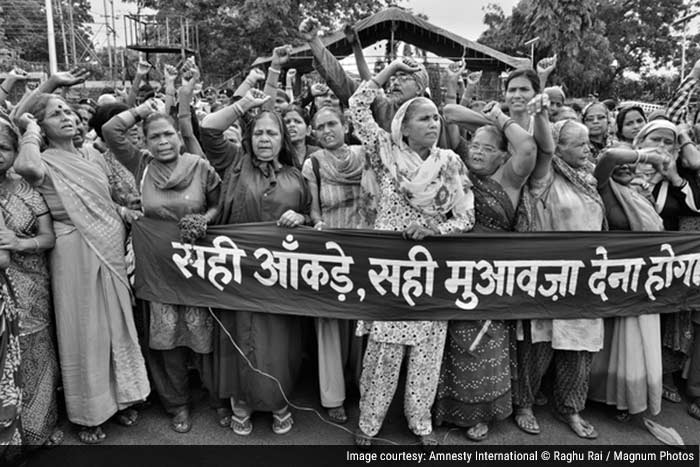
[(184, 115), (686, 144), (506, 124), (273, 70), (639, 156)]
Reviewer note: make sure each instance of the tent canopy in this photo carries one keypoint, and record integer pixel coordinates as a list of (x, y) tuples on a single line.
[(409, 29)]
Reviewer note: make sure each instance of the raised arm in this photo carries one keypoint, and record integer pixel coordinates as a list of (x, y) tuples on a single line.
[(290, 80), (545, 67), (280, 57), (326, 64), (169, 75), (255, 75), (539, 106), (114, 134), (13, 77), (142, 70), (619, 155), (524, 149), (471, 87), (184, 115), (689, 152), (219, 151), (28, 162), (55, 81), (354, 39)]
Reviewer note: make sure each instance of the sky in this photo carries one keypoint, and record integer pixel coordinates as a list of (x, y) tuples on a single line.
[(462, 17)]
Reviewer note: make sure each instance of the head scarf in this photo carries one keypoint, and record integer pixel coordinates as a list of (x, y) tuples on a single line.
[(422, 78), (658, 124), (436, 186)]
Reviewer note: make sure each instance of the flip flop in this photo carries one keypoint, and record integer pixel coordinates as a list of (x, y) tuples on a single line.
[(282, 424), (478, 432), (337, 415), (224, 417), (526, 421), (579, 426), (181, 423), (242, 426), (127, 417), (694, 410), (91, 434), (671, 394)]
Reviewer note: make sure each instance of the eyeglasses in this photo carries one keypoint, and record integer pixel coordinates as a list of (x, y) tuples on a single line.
[(486, 149), (595, 118), (403, 77)]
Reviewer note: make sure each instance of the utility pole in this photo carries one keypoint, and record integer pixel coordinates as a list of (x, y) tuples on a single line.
[(63, 35), (109, 51), (71, 26), (53, 64), (114, 36)]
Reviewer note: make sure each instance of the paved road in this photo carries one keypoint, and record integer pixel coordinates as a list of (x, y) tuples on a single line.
[(153, 427)]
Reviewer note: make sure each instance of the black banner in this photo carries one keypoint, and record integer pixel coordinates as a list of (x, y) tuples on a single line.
[(360, 274)]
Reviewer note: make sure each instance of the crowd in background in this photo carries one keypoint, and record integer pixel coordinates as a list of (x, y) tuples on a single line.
[(374, 154)]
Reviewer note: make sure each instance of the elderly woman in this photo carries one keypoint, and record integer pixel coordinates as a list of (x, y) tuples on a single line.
[(566, 199), (475, 380), (261, 183), (596, 117), (102, 367), (621, 375), (176, 187), (410, 186), (675, 191), (27, 235), (333, 174)]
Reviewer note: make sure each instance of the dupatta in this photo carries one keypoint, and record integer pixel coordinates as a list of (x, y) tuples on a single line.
[(83, 188)]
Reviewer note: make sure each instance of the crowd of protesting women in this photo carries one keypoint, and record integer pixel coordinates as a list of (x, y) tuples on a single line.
[(376, 154)]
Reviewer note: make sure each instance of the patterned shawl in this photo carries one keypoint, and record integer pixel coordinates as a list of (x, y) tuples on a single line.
[(83, 188), (435, 186)]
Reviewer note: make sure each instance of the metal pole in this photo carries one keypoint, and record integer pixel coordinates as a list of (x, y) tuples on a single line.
[(114, 37), (53, 64), (71, 27), (167, 31), (532, 55), (109, 51), (63, 34)]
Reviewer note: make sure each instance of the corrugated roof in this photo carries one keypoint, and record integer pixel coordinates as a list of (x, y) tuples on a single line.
[(413, 30)]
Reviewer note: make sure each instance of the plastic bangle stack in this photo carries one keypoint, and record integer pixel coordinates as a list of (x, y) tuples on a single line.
[(31, 137)]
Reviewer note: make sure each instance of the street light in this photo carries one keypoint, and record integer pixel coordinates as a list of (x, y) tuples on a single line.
[(684, 20), (532, 43)]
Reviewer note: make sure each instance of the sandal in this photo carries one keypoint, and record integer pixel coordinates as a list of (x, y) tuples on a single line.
[(181, 423), (671, 394), (362, 441), (527, 422), (694, 409), (428, 440), (478, 432), (223, 416), (127, 417), (578, 425), (242, 426), (91, 434), (55, 439), (282, 424), (337, 415)]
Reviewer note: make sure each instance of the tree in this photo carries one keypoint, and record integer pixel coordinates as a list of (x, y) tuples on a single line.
[(24, 28), (588, 36), (233, 33)]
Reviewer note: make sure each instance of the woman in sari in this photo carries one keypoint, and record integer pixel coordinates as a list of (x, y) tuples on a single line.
[(629, 121), (566, 199), (27, 235), (298, 125), (102, 367), (180, 188), (413, 187), (627, 372), (333, 174), (475, 380), (261, 183), (10, 376), (675, 191)]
